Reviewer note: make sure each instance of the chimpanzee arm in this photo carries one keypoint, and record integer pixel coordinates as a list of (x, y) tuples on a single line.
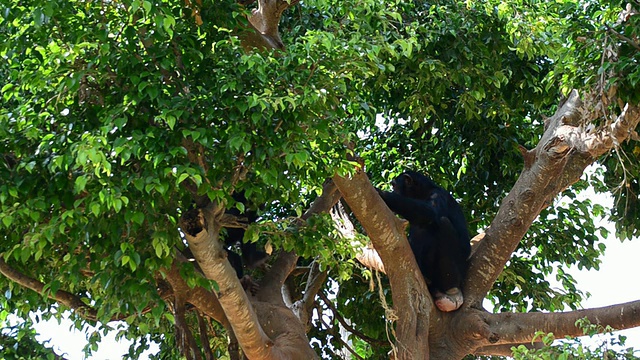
[(458, 221), (414, 210)]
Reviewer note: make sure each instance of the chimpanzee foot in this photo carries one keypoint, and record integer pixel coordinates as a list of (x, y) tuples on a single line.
[(450, 300)]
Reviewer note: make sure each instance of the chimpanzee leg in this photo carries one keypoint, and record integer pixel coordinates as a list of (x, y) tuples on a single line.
[(236, 263), (451, 268), (247, 282)]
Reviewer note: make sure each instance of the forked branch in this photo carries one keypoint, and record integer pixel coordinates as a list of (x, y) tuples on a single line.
[(562, 154), (201, 230)]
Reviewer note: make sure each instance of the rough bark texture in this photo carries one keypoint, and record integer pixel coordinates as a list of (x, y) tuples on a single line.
[(520, 328), (367, 255), (279, 338), (562, 154), (203, 299), (264, 20)]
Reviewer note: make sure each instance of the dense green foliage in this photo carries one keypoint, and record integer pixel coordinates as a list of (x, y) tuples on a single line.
[(103, 102)]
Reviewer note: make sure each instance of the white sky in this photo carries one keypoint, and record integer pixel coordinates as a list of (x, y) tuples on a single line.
[(616, 281), (69, 342)]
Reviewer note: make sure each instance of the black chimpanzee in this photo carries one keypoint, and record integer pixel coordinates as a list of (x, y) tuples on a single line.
[(251, 256), (438, 234)]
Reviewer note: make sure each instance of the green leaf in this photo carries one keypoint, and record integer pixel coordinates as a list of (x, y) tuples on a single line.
[(146, 5), (138, 217), (182, 178), (171, 121), (236, 142), (168, 23), (117, 205), (133, 265), (54, 286), (7, 220), (158, 250), (153, 92), (95, 209), (80, 183), (6, 88)]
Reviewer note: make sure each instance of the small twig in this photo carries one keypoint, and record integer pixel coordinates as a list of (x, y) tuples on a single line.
[(622, 37), (204, 338), (339, 338), (315, 281), (313, 70), (239, 171), (345, 325), (184, 338)]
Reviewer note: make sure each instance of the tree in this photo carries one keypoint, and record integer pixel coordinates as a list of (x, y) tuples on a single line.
[(126, 127)]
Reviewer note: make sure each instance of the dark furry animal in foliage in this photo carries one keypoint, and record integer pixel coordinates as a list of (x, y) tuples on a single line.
[(438, 234), (251, 256)]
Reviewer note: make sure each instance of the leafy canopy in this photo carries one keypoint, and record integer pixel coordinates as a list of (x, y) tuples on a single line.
[(104, 105)]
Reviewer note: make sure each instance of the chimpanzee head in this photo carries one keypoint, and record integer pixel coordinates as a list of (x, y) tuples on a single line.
[(414, 185)]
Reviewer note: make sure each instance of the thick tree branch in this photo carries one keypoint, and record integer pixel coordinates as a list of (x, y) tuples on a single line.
[(370, 258), (271, 285), (201, 228), (184, 337), (330, 196), (203, 299), (265, 21), (411, 299), (204, 337), (65, 298), (518, 328), (559, 159), (602, 141), (266, 17), (367, 256), (201, 231)]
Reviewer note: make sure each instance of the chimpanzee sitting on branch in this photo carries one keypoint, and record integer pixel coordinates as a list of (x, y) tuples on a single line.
[(438, 235)]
